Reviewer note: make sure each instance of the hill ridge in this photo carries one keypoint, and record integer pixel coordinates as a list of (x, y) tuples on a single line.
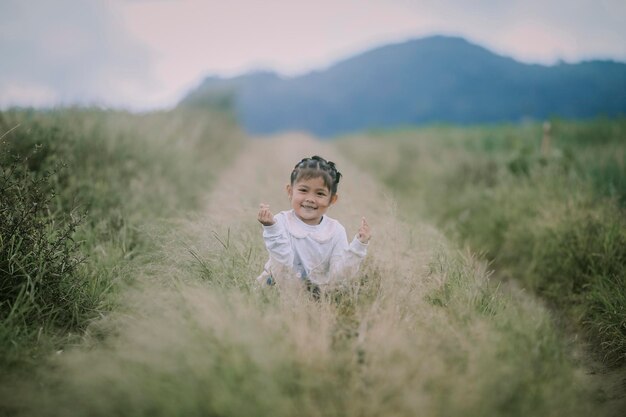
[(438, 79)]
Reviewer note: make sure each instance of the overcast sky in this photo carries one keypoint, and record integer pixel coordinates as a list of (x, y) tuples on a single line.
[(144, 54)]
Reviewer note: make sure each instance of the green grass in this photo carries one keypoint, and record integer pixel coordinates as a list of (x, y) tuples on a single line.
[(78, 186), (553, 219), (178, 326)]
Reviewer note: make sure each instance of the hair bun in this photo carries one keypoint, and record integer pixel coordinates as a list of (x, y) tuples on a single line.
[(316, 162)]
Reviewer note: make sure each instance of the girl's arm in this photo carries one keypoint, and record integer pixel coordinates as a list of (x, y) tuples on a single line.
[(346, 258), (276, 236)]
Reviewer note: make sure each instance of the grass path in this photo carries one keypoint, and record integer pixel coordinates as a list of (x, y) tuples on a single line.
[(422, 333), (261, 173)]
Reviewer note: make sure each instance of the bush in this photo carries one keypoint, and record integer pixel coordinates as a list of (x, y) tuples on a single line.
[(580, 266), (38, 255), (123, 173)]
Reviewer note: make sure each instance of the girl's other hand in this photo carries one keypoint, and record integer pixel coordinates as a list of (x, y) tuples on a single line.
[(364, 233), (265, 217)]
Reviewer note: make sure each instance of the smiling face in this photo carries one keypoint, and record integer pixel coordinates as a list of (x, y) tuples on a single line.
[(310, 199)]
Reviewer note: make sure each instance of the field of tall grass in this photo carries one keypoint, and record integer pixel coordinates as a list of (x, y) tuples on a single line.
[(76, 188), (546, 204), (167, 318)]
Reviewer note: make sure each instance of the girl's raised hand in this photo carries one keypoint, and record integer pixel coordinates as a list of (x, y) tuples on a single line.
[(364, 233), (266, 218)]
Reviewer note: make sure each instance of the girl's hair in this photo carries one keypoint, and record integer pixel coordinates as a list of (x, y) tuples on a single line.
[(314, 167)]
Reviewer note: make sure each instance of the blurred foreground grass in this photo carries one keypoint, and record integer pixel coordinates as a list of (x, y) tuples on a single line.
[(548, 208)]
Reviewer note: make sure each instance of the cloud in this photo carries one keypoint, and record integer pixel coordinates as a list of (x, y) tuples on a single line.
[(292, 36), (541, 31), (147, 53), (194, 37), (69, 51)]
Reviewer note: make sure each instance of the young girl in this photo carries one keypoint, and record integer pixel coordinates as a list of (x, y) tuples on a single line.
[(304, 241)]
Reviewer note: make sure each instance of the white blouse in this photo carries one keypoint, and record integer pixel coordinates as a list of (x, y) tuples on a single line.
[(319, 253)]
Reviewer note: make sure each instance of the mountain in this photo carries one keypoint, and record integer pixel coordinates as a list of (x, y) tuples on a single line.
[(433, 79)]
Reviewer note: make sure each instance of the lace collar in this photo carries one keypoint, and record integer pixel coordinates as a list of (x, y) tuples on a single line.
[(321, 233)]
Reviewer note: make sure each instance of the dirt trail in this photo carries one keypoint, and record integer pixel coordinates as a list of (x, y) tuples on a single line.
[(261, 173)]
